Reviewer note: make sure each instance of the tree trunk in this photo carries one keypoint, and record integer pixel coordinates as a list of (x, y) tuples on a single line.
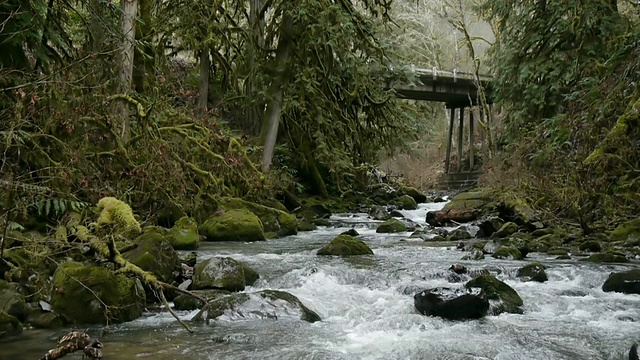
[(143, 58), (271, 122), (255, 108), (203, 96), (129, 13)]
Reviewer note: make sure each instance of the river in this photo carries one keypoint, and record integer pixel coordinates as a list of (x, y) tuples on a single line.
[(366, 313)]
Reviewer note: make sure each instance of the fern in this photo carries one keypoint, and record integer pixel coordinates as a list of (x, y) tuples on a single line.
[(57, 207)]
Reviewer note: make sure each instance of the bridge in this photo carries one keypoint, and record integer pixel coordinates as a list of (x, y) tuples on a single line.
[(458, 90)]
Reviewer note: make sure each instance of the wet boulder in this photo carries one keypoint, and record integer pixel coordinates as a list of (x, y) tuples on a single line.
[(628, 233), (505, 230), (9, 325), (591, 246), (41, 319), (184, 234), (459, 234), (11, 302), (627, 282), (533, 271), (233, 225), (274, 222), (345, 245), (474, 255), (405, 202), (417, 196), (188, 302), (154, 254), (502, 297), (489, 226), (607, 257), (379, 212), (304, 225), (507, 253), (223, 273), (431, 219), (391, 226), (80, 293), (396, 214), (452, 304), (351, 232), (265, 304)]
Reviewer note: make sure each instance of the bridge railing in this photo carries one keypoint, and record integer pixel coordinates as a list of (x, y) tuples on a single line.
[(435, 72)]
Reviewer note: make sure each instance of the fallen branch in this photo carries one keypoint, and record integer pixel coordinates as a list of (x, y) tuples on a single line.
[(75, 341)]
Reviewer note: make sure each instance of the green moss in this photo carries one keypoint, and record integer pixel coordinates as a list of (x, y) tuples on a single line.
[(504, 252), (117, 214), (414, 193), (405, 202), (95, 295), (9, 325), (345, 245), (498, 290), (557, 251), (273, 220), (391, 226), (154, 254), (591, 246), (233, 225), (629, 232), (505, 230), (305, 225), (184, 234), (607, 258)]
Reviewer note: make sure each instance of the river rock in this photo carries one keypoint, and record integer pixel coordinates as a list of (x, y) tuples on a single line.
[(405, 202), (533, 271), (275, 222), (184, 234), (628, 233), (223, 273), (505, 230), (507, 253), (81, 292), (188, 302), (233, 225), (396, 214), (154, 254), (474, 255), (351, 232), (591, 246), (452, 304), (607, 257), (11, 302), (45, 319), (502, 297), (431, 219), (392, 226), (265, 304), (304, 225), (9, 325), (459, 234), (379, 212), (345, 245), (489, 225), (417, 196), (627, 282)]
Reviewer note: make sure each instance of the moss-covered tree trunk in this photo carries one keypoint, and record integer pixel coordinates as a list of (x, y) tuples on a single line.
[(203, 95), (269, 132), (143, 59), (255, 107), (129, 15)]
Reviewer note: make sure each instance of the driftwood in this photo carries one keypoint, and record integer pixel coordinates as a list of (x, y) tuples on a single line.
[(75, 341)]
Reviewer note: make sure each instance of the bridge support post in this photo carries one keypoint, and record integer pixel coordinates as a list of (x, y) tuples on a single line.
[(449, 139), (460, 139), (471, 140)]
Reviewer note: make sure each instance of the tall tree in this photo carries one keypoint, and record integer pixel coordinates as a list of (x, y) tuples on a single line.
[(129, 16)]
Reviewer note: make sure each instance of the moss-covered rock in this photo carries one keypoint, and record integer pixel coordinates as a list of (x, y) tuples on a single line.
[(304, 225), (591, 246), (11, 302), (474, 255), (627, 282), (345, 245), (233, 225), (459, 234), (223, 273), (505, 252), (391, 226), (379, 212), (556, 251), (607, 257), (273, 220), (45, 320), (116, 215), (628, 232), (270, 304), (9, 325), (154, 254), (95, 295), (502, 297), (184, 234), (414, 193), (188, 302), (405, 202), (505, 230), (533, 271)]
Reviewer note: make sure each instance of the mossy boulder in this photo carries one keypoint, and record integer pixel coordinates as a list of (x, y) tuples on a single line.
[(273, 220), (628, 232), (591, 246), (184, 234), (507, 253), (391, 226), (304, 225), (415, 194), (502, 297), (80, 293), (607, 257), (627, 282), (379, 212), (9, 325), (233, 225), (506, 230), (405, 202), (265, 304), (459, 234), (345, 245), (154, 254), (533, 271), (11, 302), (474, 255), (557, 251), (188, 302), (45, 319), (223, 273)]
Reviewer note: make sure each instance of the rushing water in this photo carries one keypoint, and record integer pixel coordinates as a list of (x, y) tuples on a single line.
[(366, 305)]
